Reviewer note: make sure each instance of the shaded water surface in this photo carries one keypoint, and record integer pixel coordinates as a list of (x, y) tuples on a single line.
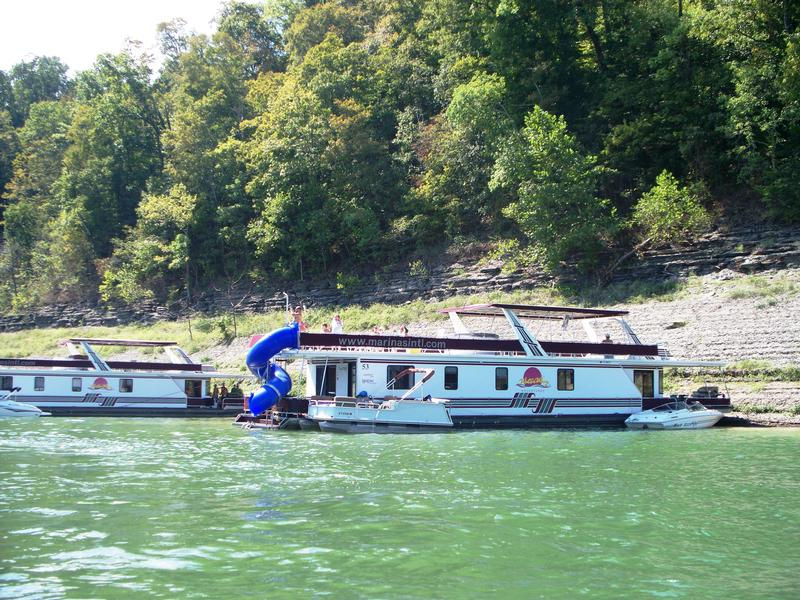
[(131, 508)]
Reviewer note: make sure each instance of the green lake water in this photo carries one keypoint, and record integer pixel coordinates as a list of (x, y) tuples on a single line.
[(133, 508)]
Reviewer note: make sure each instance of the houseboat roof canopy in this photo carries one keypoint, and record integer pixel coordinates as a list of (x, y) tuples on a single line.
[(132, 343), (532, 311)]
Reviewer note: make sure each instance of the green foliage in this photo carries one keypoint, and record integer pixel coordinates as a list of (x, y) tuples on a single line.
[(417, 268), (668, 212), (324, 137), (225, 327), (43, 78), (154, 256), (556, 207), (346, 282), (761, 287)]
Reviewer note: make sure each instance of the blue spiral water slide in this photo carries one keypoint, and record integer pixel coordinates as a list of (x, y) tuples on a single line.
[(276, 381)]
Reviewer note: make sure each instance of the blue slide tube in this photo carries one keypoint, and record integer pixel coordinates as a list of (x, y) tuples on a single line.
[(277, 382)]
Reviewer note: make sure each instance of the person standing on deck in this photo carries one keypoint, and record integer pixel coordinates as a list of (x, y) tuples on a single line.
[(608, 340), (297, 317), (215, 396), (336, 325)]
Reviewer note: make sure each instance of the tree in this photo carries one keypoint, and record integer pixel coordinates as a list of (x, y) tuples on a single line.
[(759, 38), (153, 258), (556, 208), (43, 78), (115, 146), (30, 199), (9, 146), (257, 38)]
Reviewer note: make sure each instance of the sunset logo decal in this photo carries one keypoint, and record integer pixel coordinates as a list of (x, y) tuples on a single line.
[(532, 378), (101, 383)]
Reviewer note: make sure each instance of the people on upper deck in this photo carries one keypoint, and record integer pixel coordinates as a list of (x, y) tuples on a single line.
[(608, 340), (326, 328), (404, 331), (297, 317), (236, 391), (336, 325)]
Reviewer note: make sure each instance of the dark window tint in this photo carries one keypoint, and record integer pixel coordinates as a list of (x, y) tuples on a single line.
[(406, 382), (193, 388), (501, 378), (6, 383), (126, 385), (451, 378), (77, 384), (566, 379), (326, 380), (644, 381), (38, 384)]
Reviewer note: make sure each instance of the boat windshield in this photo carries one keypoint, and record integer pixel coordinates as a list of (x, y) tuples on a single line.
[(670, 406), (697, 406)]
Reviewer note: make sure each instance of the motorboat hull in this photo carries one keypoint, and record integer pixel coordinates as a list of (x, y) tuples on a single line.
[(379, 427), (394, 416), (679, 420), (10, 408)]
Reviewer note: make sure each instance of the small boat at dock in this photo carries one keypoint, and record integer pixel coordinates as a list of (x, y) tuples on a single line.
[(392, 415), (10, 408), (675, 415)]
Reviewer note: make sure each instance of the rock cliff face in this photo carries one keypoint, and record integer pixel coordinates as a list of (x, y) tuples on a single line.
[(743, 250)]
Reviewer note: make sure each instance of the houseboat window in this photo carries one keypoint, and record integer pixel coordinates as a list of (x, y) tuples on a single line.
[(451, 378), (6, 383), (406, 382), (193, 388), (126, 386), (566, 379), (77, 384), (644, 381), (501, 378), (661, 382), (38, 384)]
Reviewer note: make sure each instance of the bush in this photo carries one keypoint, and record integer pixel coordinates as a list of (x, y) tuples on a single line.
[(669, 212)]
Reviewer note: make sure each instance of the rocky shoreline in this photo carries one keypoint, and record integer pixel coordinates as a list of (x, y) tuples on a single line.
[(735, 419)]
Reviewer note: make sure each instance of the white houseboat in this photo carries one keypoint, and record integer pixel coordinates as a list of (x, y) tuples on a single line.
[(84, 384), (483, 380)]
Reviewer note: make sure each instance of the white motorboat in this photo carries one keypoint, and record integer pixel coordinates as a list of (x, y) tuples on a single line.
[(11, 408), (675, 415), (394, 415)]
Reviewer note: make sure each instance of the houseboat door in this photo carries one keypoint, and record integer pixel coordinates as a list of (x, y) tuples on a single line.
[(337, 379)]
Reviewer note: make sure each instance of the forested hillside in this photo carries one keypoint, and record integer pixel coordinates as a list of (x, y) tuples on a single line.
[(309, 138)]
